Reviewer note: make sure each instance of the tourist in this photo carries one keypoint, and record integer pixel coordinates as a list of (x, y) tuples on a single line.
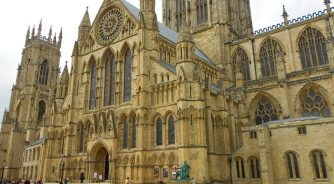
[(95, 176), (27, 181), (127, 181), (82, 177)]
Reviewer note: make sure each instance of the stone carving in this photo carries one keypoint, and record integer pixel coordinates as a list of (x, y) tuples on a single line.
[(109, 26)]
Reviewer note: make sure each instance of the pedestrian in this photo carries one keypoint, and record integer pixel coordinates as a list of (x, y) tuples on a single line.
[(66, 180), (193, 181), (127, 181), (95, 176), (82, 177), (27, 181)]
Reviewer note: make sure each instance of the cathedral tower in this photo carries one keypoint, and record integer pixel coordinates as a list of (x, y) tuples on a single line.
[(31, 97)]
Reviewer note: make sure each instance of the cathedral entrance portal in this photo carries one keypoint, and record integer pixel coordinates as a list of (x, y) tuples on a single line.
[(102, 164)]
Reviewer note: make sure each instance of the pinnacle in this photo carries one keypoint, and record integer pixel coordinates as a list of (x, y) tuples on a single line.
[(85, 20)]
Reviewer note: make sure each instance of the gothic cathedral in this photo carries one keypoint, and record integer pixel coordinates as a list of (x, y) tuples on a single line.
[(140, 98)]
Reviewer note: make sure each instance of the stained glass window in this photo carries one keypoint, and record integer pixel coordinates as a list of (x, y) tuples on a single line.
[(269, 53), (171, 130), (125, 133), (127, 76), (159, 132), (93, 81), (82, 139), (109, 79), (43, 73), (312, 47), (241, 63), (134, 133), (319, 165), (265, 112), (314, 104), (292, 165), (41, 110)]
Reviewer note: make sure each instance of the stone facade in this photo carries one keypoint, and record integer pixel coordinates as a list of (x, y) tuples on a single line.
[(140, 99)]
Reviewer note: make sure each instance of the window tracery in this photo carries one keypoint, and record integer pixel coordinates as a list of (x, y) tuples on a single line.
[(312, 47), (314, 104), (240, 167), (43, 73), (109, 79), (265, 111), (241, 63), (255, 168), (269, 53), (41, 109)]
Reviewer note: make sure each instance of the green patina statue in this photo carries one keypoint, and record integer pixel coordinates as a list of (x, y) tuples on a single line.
[(185, 171)]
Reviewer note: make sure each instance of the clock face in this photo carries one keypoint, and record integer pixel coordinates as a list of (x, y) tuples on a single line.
[(109, 26)]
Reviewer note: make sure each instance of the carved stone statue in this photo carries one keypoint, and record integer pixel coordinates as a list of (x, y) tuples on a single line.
[(185, 171)]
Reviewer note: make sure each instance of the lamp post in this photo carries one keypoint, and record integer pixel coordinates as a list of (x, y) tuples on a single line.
[(3, 169), (229, 159)]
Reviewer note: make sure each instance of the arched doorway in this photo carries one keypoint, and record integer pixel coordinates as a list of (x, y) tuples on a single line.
[(102, 163)]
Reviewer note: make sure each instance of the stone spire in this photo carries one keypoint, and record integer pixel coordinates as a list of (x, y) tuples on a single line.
[(39, 33), (147, 5), (55, 39), (64, 78), (328, 6), (50, 34), (60, 38), (33, 32), (285, 16), (85, 27), (28, 34), (85, 20)]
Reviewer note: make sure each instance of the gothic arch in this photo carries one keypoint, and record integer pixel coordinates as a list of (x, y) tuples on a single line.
[(169, 113), (108, 51), (322, 31), (125, 47), (257, 100), (91, 61), (96, 147), (306, 40), (268, 52), (319, 89)]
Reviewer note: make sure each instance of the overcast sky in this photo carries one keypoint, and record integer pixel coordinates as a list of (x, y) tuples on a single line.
[(17, 15)]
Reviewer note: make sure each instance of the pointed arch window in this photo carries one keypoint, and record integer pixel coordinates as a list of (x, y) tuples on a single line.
[(41, 109), (312, 47), (240, 167), (180, 13), (202, 11), (265, 111), (134, 132), (127, 76), (82, 139), (158, 132), (171, 130), (125, 133), (314, 104), (255, 168), (241, 63), (43, 73), (93, 81), (269, 53), (109, 79), (292, 163), (319, 165)]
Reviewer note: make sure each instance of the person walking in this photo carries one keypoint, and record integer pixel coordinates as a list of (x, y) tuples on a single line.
[(82, 177), (95, 177)]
